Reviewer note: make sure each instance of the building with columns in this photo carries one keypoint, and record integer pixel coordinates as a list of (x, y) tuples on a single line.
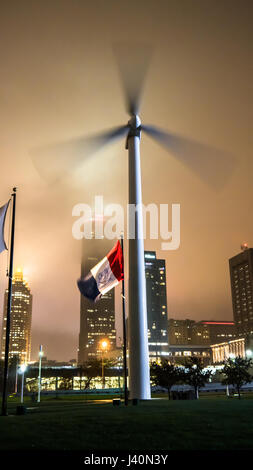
[(222, 351)]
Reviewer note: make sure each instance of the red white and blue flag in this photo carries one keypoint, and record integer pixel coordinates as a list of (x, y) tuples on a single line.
[(104, 276)]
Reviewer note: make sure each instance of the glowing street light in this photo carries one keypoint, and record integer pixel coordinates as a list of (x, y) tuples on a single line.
[(103, 344), (22, 370), (249, 353)]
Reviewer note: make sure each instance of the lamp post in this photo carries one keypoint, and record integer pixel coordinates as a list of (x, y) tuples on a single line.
[(22, 370), (16, 379), (39, 377), (103, 345)]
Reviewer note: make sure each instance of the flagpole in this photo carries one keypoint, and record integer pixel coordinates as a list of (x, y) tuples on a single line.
[(124, 327), (8, 319)]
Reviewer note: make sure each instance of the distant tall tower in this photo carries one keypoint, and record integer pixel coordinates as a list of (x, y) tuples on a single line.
[(156, 305), (241, 276), (21, 320), (97, 320)]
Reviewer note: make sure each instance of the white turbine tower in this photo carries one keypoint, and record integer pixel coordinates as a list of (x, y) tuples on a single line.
[(54, 161), (139, 379)]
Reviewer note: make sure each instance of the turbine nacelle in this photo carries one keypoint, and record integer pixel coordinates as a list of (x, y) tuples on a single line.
[(134, 122), (134, 125)]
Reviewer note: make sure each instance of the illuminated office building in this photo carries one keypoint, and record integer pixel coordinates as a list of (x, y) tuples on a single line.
[(183, 332), (21, 320), (180, 331), (241, 275), (156, 305), (212, 332), (97, 320)]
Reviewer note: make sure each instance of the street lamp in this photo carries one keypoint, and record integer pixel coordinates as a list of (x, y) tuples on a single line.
[(249, 353), (103, 345), (16, 379), (22, 370), (39, 377)]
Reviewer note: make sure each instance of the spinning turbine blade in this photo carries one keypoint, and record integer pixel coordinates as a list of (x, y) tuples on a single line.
[(213, 165), (133, 61), (55, 161)]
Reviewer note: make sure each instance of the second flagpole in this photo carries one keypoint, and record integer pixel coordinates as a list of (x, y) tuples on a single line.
[(8, 320), (124, 327)]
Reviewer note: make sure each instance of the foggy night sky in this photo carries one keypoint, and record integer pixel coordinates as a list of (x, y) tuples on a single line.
[(59, 80)]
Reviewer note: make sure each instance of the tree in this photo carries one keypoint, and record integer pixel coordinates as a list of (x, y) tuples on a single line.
[(66, 383), (81, 371), (91, 369), (194, 374), (236, 372), (165, 374)]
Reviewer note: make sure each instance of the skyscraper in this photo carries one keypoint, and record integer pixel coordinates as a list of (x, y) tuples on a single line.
[(97, 320), (241, 276), (21, 320), (156, 305)]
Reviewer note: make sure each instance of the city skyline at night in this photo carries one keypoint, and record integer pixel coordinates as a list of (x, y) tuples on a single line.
[(65, 83), (126, 236)]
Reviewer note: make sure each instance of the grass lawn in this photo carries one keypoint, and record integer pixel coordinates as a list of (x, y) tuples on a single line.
[(79, 423)]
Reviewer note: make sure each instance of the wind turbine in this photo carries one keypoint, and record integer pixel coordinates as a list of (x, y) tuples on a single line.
[(52, 160)]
